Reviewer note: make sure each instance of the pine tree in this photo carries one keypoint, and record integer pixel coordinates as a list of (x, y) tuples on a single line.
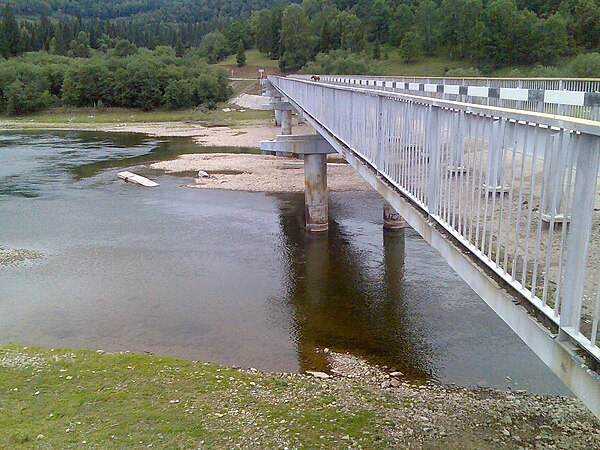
[(240, 56), (11, 35), (179, 48), (376, 50)]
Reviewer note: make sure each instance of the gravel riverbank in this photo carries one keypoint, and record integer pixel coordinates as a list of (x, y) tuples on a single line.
[(13, 256)]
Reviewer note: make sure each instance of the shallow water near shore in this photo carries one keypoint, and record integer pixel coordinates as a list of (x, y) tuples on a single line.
[(230, 277)]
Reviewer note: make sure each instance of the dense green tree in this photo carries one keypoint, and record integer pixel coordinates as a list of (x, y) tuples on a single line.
[(214, 46), (124, 48), (410, 47), (376, 50), (10, 33), (351, 31), (551, 38), (587, 65), (402, 21), (240, 56), (235, 32), (584, 23), (427, 25), (458, 18), (80, 47), (178, 94), (179, 47), (295, 39), (511, 37), (377, 20)]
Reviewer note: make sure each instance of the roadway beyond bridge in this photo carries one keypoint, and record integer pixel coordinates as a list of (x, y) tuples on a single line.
[(509, 197)]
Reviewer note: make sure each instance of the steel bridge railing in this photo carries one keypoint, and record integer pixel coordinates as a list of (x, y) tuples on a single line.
[(567, 97), (519, 190)]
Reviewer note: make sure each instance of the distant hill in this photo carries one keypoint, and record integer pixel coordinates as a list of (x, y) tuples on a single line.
[(167, 10)]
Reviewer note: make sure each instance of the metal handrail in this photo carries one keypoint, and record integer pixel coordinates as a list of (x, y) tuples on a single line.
[(568, 97)]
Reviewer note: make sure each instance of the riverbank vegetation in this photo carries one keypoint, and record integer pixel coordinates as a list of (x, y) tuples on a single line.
[(123, 77), (74, 398), (486, 34), (168, 55), (156, 54)]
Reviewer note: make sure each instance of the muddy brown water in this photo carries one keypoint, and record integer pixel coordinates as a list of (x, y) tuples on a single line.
[(230, 277)]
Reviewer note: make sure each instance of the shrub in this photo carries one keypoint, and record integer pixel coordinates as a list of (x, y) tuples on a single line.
[(587, 65)]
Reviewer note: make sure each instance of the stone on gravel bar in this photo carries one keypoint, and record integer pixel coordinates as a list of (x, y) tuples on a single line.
[(320, 375)]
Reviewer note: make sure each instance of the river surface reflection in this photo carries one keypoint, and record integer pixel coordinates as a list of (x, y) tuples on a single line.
[(230, 277)]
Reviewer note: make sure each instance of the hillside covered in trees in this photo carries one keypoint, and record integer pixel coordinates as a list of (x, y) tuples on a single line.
[(343, 36)]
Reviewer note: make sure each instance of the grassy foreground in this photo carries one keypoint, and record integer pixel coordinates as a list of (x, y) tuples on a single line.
[(72, 398)]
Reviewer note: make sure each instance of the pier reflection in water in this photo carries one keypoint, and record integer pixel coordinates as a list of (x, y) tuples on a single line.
[(344, 301)]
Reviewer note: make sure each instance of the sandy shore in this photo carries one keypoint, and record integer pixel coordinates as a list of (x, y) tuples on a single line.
[(259, 173)]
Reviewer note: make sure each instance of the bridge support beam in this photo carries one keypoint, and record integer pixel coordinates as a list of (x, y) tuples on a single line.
[(316, 197), (391, 219)]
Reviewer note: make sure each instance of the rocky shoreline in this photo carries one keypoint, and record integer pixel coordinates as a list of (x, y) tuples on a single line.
[(472, 418)]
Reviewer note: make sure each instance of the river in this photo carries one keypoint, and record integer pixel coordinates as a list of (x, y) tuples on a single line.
[(230, 277)]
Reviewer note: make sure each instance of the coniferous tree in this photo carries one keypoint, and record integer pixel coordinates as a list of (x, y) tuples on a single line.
[(240, 57), (11, 34)]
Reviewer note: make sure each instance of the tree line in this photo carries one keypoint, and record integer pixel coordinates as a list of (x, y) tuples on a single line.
[(124, 77), (490, 33)]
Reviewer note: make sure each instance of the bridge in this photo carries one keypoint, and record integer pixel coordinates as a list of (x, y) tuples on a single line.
[(501, 180)]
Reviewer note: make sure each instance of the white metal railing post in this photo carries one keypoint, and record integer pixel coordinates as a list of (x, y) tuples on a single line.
[(588, 156), (555, 164), (495, 157), (432, 136)]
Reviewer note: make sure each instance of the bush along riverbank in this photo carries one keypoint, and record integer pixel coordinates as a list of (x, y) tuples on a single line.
[(55, 398)]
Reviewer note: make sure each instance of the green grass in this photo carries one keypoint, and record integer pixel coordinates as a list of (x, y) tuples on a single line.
[(434, 66), (253, 58), (61, 398), (88, 116)]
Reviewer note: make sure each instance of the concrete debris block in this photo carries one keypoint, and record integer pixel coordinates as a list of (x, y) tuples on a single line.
[(138, 179), (320, 375), (202, 174), (226, 110), (396, 374)]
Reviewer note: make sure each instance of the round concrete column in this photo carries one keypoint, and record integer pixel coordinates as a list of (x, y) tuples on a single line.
[(391, 219), (316, 212), (277, 99), (286, 122)]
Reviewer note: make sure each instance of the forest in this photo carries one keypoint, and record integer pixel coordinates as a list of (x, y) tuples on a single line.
[(344, 36)]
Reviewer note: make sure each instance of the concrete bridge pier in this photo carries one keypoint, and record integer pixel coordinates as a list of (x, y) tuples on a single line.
[(286, 122), (274, 100), (314, 149), (391, 219), (316, 197), (285, 115)]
